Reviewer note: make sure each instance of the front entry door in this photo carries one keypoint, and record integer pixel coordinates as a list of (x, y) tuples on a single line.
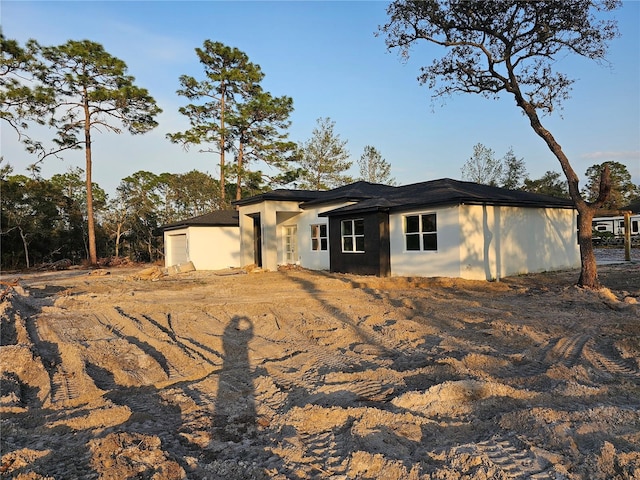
[(257, 241), (290, 236)]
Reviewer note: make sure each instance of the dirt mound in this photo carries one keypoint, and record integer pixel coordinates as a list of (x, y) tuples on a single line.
[(310, 375)]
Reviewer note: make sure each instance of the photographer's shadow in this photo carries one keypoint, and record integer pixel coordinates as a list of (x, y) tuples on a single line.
[(235, 409)]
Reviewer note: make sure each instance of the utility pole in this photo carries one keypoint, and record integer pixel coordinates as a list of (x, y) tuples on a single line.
[(627, 236)]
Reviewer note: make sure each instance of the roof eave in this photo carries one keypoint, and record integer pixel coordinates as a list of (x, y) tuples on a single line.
[(412, 206)]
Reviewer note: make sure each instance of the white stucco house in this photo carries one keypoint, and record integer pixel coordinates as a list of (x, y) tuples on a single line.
[(210, 241), (436, 228)]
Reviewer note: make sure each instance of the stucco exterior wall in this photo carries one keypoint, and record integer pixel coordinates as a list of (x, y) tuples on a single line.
[(313, 259), (444, 262), (214, 248), (269, 213), (502, 241), (489, 242), (209, 248)]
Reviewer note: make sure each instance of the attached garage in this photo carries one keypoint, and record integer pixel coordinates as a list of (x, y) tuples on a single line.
[(210, 242), (176, 248)]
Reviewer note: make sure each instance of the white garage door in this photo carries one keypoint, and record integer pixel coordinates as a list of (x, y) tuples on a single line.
[(178, 249)]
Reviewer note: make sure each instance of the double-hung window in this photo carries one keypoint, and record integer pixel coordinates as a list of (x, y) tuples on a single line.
[(318, 237), (420, 232), (352, 232)]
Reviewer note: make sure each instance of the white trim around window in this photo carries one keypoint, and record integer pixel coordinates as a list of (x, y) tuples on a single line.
[(319, 239), (420, 232), (352, 235)]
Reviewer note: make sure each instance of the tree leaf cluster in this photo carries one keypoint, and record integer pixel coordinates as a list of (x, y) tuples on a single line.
[(44, 220), (75, 88), (78, 89), (623, 190), (510, 172), (324, 158), (512, 47), (374, 168), (483, 167), (230, 112)]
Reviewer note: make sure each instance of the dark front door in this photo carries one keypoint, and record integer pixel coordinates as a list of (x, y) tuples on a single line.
[(257, 241)]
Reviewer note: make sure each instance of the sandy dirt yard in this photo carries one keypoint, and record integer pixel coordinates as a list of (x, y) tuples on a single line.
[(312, 375)]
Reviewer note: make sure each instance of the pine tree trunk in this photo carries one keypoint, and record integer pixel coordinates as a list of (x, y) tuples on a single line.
[(239, 177), (222, 148), (91, 228)]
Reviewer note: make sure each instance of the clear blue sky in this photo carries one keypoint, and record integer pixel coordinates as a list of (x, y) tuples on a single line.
[(325, 56)]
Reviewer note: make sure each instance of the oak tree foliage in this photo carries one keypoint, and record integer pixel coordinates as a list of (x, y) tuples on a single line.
[(514, 171), (623, 190), (512, 47), (551, 183)]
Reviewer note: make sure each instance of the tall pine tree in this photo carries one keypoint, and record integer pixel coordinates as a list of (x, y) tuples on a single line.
[(89, 91), (324, 158)]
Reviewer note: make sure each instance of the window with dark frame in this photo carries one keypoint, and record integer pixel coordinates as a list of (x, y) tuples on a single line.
[(421, 232), (319, 237), (352, 232)]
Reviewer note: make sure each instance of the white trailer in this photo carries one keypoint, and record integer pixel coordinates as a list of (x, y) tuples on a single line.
[(615, 225)]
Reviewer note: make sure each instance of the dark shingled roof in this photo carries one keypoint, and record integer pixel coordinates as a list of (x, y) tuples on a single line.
[(310, 198), (219, 218), (281, 194), (448, 192), (355, 192), (374, 196)]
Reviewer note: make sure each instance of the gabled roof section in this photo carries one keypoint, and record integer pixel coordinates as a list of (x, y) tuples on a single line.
[(449, 192), (455, 191), (281, 194), (353, 192), (309, 198), (218, 218)]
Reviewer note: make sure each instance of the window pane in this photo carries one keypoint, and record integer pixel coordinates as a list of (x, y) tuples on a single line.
[(359, 226), (314, 230), (430, 241), (429, 223), (314, 244), (411, 224), (323, 243), (347, 244), (347, 227), (359, 244), (413, 242), (323, 230)]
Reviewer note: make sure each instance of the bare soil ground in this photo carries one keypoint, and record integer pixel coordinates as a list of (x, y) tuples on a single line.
[(304, 375)]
